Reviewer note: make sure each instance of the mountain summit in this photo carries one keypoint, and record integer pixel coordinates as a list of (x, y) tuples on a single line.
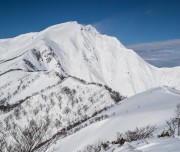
[(81, 51), (69, 76)]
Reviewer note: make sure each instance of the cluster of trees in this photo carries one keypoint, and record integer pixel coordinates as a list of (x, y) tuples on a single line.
[(136, 134), (26, 139), (128, 136)]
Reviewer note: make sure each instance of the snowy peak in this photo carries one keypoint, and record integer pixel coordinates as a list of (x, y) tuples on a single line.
[(81, 51)]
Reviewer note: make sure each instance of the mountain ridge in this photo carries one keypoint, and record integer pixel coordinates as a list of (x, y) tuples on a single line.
[(81, 51)]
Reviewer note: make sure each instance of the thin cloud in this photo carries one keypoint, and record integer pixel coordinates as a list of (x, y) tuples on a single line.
[(160, 54), (104, 26), (158, 45)]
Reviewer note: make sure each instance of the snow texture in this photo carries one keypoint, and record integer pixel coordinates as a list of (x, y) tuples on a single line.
[(78, 77)]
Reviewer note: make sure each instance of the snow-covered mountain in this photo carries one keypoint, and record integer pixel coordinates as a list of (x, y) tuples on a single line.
[(80, 51), (71, 76)]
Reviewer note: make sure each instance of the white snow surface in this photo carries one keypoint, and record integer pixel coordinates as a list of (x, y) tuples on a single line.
[(43, 74), (152, 107), (149, 145), (81, 51)]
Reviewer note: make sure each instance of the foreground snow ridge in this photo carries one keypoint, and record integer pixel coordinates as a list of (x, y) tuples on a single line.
[(148, 145), (152, 107), (69, 86)]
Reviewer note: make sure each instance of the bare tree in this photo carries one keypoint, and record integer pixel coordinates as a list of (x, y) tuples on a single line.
[(27, 139), (2, 142), (177, 115), (91, 148), (139, 133), (66, 110), (172, 123), (120, 139)]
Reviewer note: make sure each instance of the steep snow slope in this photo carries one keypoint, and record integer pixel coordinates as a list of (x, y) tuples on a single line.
[(80, 51), (152, 107)]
